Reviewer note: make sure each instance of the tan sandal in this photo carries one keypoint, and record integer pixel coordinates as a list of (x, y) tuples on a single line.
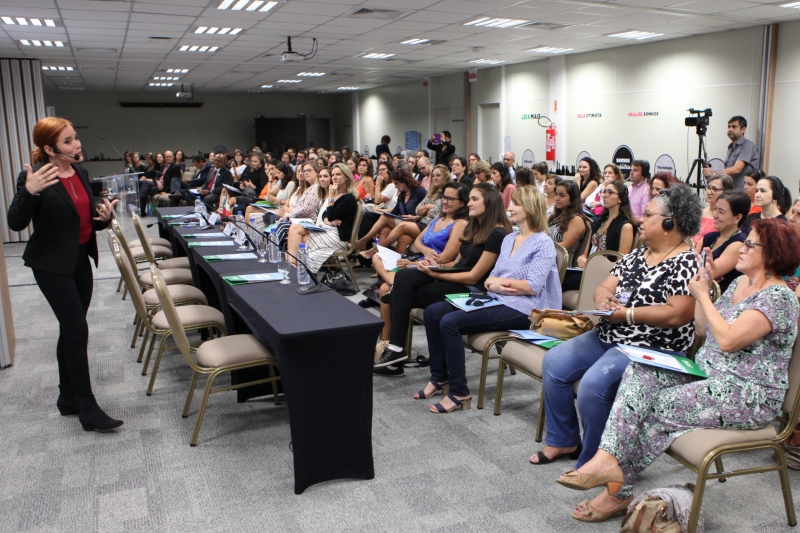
[(586, 513), (612, 479)]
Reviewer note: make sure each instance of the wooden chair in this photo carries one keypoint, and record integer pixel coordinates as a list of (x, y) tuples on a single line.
[(699, 448), (335, 260), (215, 356), (595, 273)]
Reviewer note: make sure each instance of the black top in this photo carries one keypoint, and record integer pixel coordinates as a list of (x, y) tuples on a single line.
[(613, 231), (443, 152), (344, 209), (408, 204), (382, 149), (752, 217), (470, 253), (708, 241), (53, 247), (153, 173), (466, 179), (257, 178)]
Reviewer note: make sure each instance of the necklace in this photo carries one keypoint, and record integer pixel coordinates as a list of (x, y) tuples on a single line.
[(74, 192), (650, 252), (735, 233)]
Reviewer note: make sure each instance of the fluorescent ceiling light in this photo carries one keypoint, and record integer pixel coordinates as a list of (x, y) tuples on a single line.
[(8, 20), (36, 43), (793, 5), (312, 74), (25, 42), (223, 31), (496, 23), (415, 41), (255, 5), (59, 44), (548, 50), (36, 22), (215, 30), (177, 70), (166, 78), (487, 61), (266, 86), (267, 7), (58, 68), (234, 31), (636, 35), (22, 21), (50, 22), (240, 5), (348, 88), (289, 81), (225, 4), (198, 48), (161, 85), (201, 29), (377, 56)]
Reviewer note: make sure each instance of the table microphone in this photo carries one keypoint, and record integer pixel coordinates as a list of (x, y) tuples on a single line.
[(186, 215), (314, 289)]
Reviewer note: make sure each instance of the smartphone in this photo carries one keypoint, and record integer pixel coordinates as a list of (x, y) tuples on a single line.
[(703, 258), (437, 138)]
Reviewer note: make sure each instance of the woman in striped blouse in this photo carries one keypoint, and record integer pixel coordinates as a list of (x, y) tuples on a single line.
[(524, 278)]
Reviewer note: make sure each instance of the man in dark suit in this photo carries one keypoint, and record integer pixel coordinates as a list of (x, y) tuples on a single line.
[(205, 168), (218, 176)]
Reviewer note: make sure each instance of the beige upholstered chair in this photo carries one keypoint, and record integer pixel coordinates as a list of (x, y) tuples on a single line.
[(595, 272), (214, 356), (336, 258), (562, 260), (698, 449), (181, 294), (164, 264), (136, 253), (585, 242), (154, 241)]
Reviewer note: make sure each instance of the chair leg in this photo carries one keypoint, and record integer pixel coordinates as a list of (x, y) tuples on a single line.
[(136, 331), (144, 343), (352, 274), (157, 363), (274, 385), (697, 502), (498, 394), (785, 487), (484, 371), (202, 411), (409, 336), (119, 285), (720, 469), (540, 421), (192, 386), (149, 355), (125, 293), (513, 371)]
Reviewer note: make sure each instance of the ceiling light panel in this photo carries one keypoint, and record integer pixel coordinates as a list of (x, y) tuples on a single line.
[(312, 74), (198, 48), (166, 78), (22, 21), (636, 35), (376, 56), (415, 41), (487, 22), (487, 61), (348, 88), (177, 70), (289, 81), (266, 86), (548, 50), (248, 5), (38, 42), (212, 30), (793, 5), (62, 69)]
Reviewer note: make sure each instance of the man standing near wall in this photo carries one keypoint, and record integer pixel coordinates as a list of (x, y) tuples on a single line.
[(640, 191), (508, 160), (383, 147), (741, 153)]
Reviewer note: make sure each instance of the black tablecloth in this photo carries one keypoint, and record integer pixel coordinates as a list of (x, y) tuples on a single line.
[(324, 344)]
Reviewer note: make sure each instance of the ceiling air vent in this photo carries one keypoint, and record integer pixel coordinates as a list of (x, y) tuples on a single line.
[(545, 26), (386, 14)]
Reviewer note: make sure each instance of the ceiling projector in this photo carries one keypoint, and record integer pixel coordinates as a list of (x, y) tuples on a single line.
[(290, 56), (182, 94)]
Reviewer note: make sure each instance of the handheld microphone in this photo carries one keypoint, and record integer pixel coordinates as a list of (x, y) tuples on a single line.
[(75, 157), (314, 289)]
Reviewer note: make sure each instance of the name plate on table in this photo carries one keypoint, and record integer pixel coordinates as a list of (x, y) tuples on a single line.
[(229, 257), (244, 279), (187, 223), (214, 235), (210, 243), (662, 360), (538, 339), (170, 217), (460, 301)]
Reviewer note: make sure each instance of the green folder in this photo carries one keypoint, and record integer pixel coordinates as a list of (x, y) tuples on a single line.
[(244, 279), (229, 257), (662, 360)]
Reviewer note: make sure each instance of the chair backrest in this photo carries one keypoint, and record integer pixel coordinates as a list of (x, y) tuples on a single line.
[(595, 272), (148, 250), (128, 276), (562, 258), (123, 242), (356, 225), (586, 241), (791, 402), (716, 291), (175, 324)]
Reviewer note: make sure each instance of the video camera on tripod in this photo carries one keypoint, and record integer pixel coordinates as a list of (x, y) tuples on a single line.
[(700, 122)]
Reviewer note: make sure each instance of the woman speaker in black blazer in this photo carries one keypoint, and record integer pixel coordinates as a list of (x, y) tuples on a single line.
[(56, 196)]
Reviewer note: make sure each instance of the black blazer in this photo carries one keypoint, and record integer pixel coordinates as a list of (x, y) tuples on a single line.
[(53, 247), (223, 176)]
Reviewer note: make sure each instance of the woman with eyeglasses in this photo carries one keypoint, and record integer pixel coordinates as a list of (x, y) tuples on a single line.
[(723, 244), (715, 185), (612, 230), (750, 333), (611, 172), (773, 198), (648, 295)]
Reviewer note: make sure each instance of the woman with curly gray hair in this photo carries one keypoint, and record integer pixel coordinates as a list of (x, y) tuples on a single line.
[(648, 295)]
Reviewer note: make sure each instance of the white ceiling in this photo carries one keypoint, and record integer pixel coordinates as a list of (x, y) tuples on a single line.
[(132, 59)]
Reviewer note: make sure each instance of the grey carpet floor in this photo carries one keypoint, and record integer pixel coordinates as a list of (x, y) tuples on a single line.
[(462, 472)]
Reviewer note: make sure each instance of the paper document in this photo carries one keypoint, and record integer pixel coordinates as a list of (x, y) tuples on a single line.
[(229, 257), (300, 220), (389, 257), (460, 301), (210, 235), (528, 335), (661, 360), (311, 227), (170, 217), (194, 191), (210, 243), (231, 189), (253, 278)]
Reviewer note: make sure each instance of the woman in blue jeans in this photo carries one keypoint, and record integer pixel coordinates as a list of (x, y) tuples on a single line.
[(525, 277), (648, 294)]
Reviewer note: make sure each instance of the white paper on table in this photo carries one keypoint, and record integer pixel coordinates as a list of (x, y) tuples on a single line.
[(301, 220), (228, 229), (389, 257), (194, 191)]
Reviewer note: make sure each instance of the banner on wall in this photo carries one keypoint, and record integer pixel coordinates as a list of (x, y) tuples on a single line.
[(623, 156), (528, 159), (665, 163), (472, 74), (581, 156), (412, 140)]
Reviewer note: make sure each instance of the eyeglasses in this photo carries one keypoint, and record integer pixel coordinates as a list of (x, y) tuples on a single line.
[(750, 245), (648, 214), (608, 192), (449, 199), (715, 189)]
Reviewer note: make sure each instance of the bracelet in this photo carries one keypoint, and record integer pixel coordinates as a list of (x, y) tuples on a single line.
[(633, 315), (628, 316)]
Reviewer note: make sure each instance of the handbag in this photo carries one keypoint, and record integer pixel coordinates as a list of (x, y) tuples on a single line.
[(339, 281), (562, 325), (649, 516)]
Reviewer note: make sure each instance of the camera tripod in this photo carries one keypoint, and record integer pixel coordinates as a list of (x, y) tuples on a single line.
[(700, 162)]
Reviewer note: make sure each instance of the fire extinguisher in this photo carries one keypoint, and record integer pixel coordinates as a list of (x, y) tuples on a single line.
[(550, 142)]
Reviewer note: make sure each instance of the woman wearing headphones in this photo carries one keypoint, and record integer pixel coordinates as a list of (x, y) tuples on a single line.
[(56, 196), (648, 295)]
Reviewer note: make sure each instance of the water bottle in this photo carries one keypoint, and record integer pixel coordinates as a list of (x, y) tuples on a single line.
[(253, 231), (274, 252), (198, 205), (302, 259)]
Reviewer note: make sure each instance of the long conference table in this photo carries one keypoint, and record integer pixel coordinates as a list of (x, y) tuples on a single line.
[(324, 344)]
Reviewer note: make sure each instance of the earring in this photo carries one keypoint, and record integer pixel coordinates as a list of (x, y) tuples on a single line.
[(769, 274)]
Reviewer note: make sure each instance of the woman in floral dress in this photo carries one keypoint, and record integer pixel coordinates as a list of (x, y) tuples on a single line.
[(751, 331)]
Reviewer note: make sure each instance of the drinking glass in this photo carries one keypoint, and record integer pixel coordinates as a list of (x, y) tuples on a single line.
[(283, 268), (262, 249)]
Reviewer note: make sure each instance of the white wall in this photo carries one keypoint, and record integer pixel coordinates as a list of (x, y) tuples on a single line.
[(786, 114)]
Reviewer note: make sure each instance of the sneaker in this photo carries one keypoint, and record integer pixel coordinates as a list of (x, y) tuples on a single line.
[(389, 357), (389, 371)]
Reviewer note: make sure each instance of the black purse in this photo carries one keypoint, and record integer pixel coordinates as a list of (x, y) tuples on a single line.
[(339, 281)]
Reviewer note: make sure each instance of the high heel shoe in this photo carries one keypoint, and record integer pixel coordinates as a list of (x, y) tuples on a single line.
[(93, 418), (543, 459), (612, 479), (463, 405), (441, 388), (586, 513)]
